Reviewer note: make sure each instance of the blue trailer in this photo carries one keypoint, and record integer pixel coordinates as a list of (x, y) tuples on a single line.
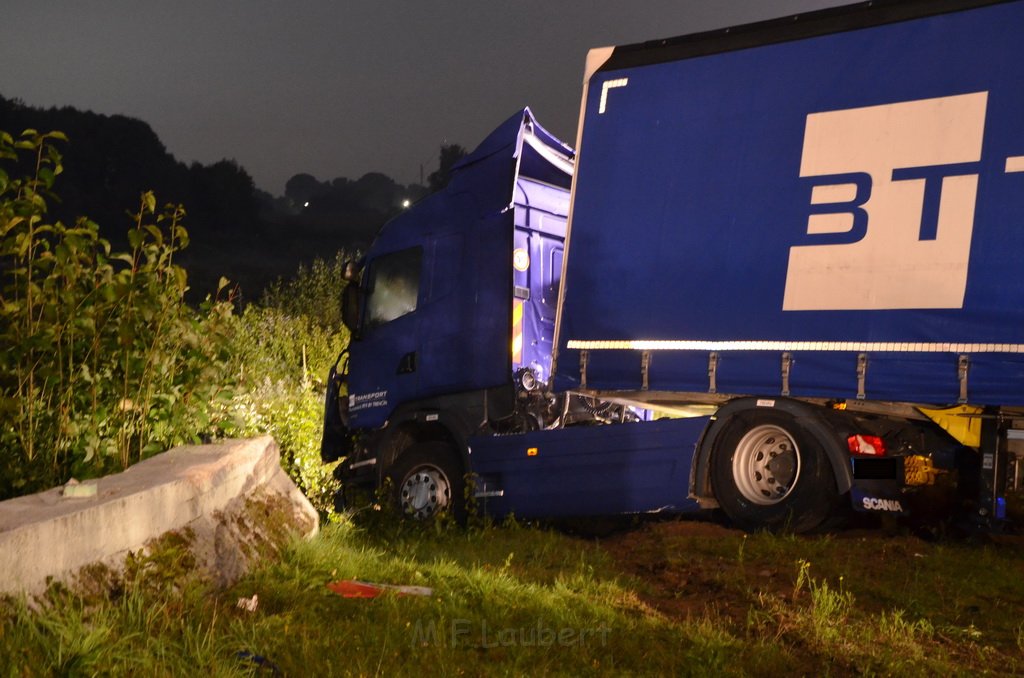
[(779, 277)]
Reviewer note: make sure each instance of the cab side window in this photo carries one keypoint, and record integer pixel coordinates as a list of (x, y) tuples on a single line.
[(394, 286)]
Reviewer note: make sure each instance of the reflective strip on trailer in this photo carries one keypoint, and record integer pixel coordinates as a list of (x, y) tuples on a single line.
[(517, 334)]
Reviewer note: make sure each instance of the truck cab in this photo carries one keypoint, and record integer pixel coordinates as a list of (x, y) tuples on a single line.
[(453, 314)]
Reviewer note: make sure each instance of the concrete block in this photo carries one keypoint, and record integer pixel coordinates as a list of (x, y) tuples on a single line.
[(51, 534)]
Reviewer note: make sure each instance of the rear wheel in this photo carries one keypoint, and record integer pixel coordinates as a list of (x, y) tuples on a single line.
[(428, 481), (769, 473)]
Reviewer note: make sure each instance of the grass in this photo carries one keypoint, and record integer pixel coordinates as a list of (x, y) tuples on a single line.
[(666, 598)]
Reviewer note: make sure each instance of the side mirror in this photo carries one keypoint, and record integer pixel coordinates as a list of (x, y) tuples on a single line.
[(351, 303), (350, 272)]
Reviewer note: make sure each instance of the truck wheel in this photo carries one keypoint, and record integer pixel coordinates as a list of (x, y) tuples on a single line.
[(768, 473), (427, 481)]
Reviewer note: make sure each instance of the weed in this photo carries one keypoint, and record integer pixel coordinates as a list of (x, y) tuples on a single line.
[(830, 608)]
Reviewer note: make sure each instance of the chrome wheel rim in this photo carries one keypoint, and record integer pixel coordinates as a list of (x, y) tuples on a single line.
[(766, 465), (425, 492)]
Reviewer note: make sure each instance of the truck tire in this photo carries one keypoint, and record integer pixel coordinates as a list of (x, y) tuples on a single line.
[(769, 473), (428, 480)]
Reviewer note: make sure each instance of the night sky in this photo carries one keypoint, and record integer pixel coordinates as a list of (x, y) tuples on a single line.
[(332, 87)]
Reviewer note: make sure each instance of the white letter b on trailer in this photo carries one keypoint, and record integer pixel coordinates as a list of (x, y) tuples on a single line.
[(892, 206)]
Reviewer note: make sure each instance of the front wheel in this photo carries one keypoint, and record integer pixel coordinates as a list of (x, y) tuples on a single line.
[(769, 473), (427, 480)]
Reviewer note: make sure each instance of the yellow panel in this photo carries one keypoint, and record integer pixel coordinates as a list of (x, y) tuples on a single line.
[(961, 422)]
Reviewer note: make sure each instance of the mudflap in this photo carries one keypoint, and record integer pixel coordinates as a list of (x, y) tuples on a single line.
[(885, 501)]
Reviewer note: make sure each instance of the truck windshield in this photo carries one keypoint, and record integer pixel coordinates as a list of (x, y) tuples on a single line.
[(394, 286)]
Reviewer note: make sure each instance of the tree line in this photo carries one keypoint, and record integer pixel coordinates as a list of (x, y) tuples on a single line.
[(237, 230)]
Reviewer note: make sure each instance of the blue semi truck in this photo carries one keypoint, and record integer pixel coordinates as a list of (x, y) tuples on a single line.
[(780, 276)]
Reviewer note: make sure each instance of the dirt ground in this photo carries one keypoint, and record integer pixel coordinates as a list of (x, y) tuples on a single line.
[(680, 580), (690, 568)]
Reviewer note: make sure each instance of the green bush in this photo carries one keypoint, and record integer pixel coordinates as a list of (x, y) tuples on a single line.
[(103, 363), (282, 350), (313, 293)]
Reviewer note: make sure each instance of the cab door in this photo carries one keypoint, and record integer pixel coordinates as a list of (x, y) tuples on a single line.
[(385, 357)]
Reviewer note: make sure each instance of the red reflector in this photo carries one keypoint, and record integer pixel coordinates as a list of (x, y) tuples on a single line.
[(871, 445)]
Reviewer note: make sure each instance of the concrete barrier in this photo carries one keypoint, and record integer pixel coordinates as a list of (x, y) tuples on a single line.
[(201, 488)]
